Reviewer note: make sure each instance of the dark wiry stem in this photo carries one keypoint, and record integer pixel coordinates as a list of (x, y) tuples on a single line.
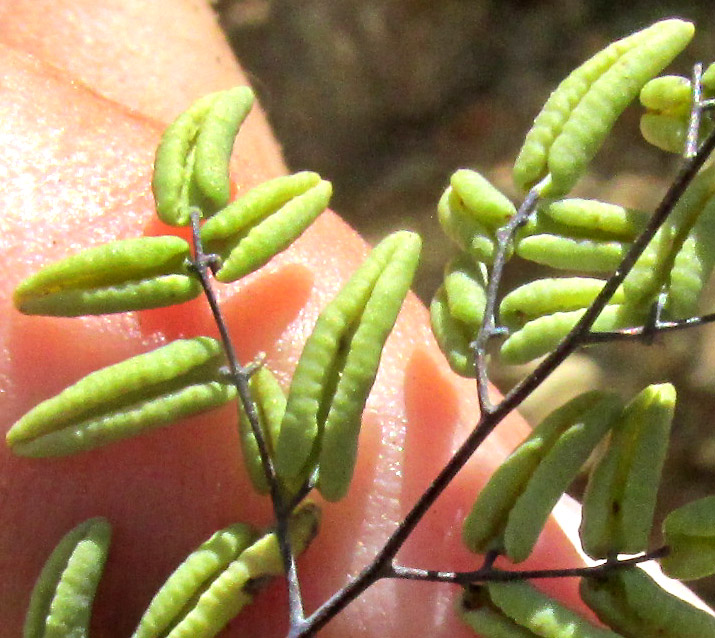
[(696, 112), (488, 421), (641, 332), (240, 377), (489, 329), (491, 575), (303, 491)]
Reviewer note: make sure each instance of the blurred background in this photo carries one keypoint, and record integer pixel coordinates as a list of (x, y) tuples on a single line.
[(387, 98)]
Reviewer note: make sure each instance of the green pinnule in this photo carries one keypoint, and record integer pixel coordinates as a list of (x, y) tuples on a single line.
[(270, 402), (191, 168), (519, 610), (125, 399), (221, 577), (129, 274), (541, 335), (633, 604), (579, 114), (265, 221), (620, 497), (513, 506), (689, 532), (547, 296), (457, 311), (470, 212), (61, 601), (338, 366)]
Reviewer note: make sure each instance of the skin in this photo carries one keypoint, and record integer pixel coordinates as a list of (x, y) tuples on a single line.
[(84, 93)]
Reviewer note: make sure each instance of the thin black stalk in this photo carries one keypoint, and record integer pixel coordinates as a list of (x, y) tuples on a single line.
[(303, 491), (653, 322), (489, 328), (696, 112), (240, 376), (641, 332), (492, 575), (489, 559), (296, 611), (488, 421)]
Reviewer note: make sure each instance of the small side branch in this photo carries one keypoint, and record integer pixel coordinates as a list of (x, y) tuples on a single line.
[(489, 328), (647, 332), (493, 575), (696, 113)]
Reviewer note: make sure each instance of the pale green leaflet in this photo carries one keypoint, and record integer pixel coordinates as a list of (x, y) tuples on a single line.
[(470, 212), (580, 234), (620, 497), (267, 219), (270, 404), (689, 531), (657, 264), (464, 228), (579, 114), (596, 219), (667, 132), (191, 165), (557, 469), (130, 274), (195, 575), (338, 366), (488, 204), (668, 100), (513, 506), (668, 94), (541, 335), (221, 577), (457, 311), (476, 610), (547, 296), (125, 399), (631, 602), (61, 601), (519, 610)]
